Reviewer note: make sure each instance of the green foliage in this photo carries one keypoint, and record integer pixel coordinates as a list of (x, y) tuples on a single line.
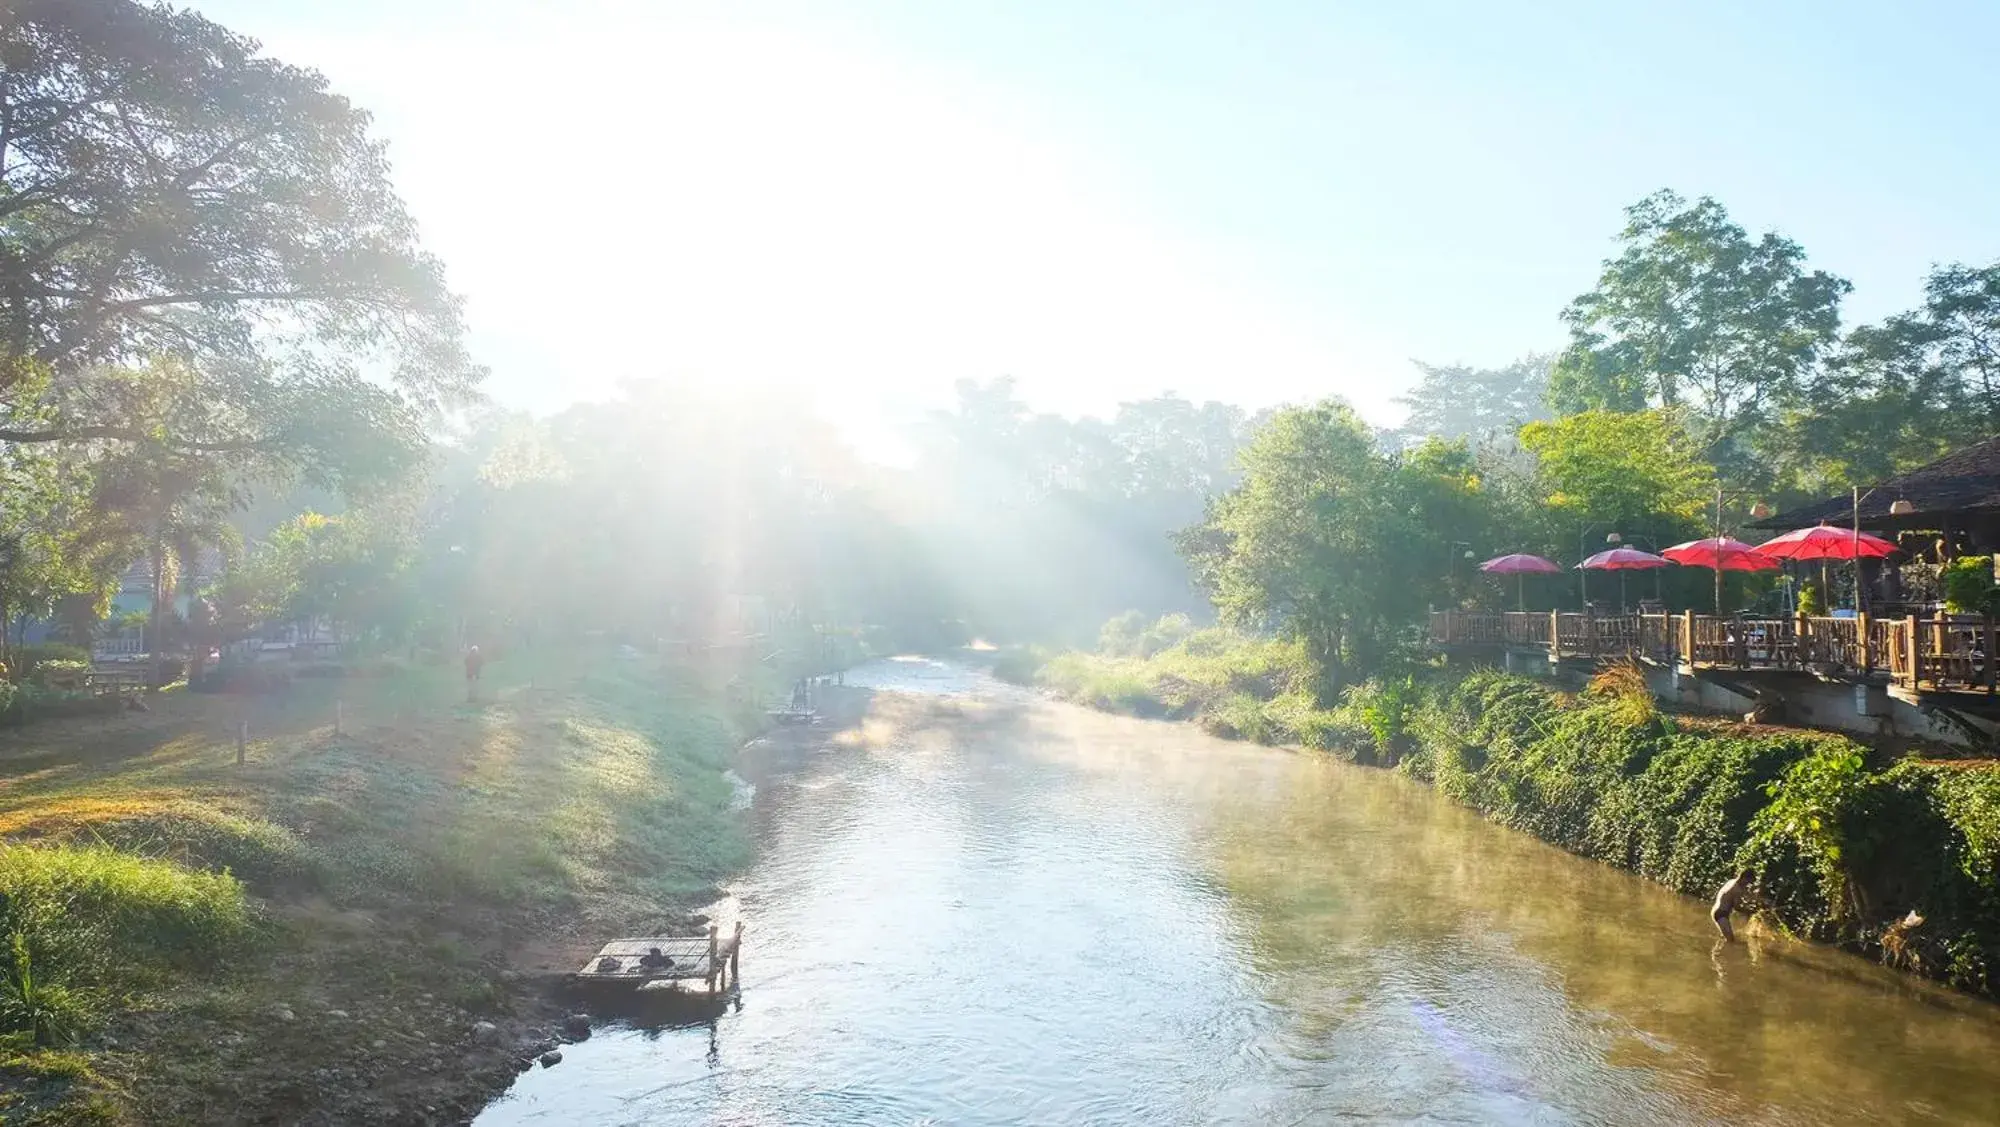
[(1968, 585), (1694, 313), (186, 193), (1812, 598), (27, 661), (1629, 470), (48, 1012), (1019, 665), (93, 908), (1216, 678), (51, 671), (1318, 542), (1479, 404)]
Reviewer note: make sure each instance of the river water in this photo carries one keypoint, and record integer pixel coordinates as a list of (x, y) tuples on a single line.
[(986, 908)]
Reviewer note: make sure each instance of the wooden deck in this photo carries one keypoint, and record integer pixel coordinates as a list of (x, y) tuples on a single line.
[(710, 959), (1941, 656)]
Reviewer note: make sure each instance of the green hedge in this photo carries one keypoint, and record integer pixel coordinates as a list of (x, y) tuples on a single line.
[(1845, 849)]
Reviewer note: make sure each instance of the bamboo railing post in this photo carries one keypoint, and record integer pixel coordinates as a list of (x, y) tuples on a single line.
[(1864, 641), (1687, 638), (736, 957), (1912, 660), (1937, 633), (1555, 635), (1986, 651)]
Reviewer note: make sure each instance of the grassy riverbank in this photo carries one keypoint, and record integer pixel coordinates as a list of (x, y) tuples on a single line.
[(310, 937), (1891, 855)]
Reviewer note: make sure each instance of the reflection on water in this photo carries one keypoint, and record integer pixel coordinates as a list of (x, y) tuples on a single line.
[(982, 908)]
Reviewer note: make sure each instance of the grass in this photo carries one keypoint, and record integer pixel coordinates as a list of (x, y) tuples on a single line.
[(1233, 685), (160, 885)]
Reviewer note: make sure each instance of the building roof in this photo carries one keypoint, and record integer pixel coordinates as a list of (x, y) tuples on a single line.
[(1964, 481)]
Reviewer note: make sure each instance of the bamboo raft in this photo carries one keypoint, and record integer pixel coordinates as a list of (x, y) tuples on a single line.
[(709, 959)]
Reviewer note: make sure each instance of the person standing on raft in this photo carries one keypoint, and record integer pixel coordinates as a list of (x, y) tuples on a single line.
[(1726, 900)]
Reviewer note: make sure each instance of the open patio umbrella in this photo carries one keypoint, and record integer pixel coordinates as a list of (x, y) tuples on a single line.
[(1824, 542), (1621, 560), (1520, 565), (1721, 554)]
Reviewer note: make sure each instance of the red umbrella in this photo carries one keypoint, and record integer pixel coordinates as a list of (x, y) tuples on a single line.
[(1826, 542), (1520, 565), (1622, 560), (1722, 554)]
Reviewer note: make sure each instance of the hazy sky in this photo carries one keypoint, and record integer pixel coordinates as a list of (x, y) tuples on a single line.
[(1256, 202)]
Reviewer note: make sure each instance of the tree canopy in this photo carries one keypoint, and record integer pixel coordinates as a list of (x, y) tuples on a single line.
[(167, 192), (1694, 313)]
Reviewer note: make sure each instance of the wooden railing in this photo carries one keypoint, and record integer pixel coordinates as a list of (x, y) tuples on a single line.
[(1940, 654)]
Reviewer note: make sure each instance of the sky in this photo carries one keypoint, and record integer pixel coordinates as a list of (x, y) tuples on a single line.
[(1258, 202)]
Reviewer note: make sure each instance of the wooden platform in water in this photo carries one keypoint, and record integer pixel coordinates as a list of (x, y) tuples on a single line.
[(708, 958)]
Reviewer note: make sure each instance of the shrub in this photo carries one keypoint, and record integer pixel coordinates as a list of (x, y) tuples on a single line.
[(26, 659), (53, 671), (1019, 664), (1968, 585), (1812, 598)]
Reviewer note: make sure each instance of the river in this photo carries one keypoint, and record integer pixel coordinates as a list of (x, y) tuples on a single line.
[(985, 908)]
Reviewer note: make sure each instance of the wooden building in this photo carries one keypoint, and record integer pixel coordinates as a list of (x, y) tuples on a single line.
[(1955, 499)]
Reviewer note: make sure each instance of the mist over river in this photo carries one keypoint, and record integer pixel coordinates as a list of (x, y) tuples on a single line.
[(985, 908)]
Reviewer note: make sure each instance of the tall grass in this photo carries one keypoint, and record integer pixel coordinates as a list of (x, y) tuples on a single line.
[(83, 921), (1234, 685)]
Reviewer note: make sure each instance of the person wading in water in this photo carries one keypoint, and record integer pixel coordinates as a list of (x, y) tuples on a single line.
[(1726, 900)]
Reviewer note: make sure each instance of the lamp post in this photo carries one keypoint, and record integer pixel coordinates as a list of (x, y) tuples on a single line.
[(1451, 562), (1583, 553), (1898, 508)]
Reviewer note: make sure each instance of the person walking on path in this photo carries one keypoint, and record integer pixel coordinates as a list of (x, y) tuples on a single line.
[(474, 662)]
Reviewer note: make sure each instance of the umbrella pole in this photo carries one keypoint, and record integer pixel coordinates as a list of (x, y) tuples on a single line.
[(1621, 591), (1521, 591)]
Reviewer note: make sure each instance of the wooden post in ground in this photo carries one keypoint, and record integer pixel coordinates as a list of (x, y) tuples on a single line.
[(242, 739), (1555, 635), (1865, 641), (1687, 638), (736, 957), (711, 960)]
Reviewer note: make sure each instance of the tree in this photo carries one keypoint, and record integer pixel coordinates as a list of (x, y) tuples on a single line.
[(1904, 392), (1693, 313), (1481, 404), (173, 504), (167, 192), (1625, 470), (1331, 541)]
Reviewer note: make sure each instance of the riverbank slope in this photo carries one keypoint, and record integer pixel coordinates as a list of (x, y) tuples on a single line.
[(318, 934), (1884, 851)]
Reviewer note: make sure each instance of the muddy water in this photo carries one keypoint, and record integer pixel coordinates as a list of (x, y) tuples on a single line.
[(988, 909)]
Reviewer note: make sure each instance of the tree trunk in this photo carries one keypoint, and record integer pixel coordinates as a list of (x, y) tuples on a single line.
[(155, 656)]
